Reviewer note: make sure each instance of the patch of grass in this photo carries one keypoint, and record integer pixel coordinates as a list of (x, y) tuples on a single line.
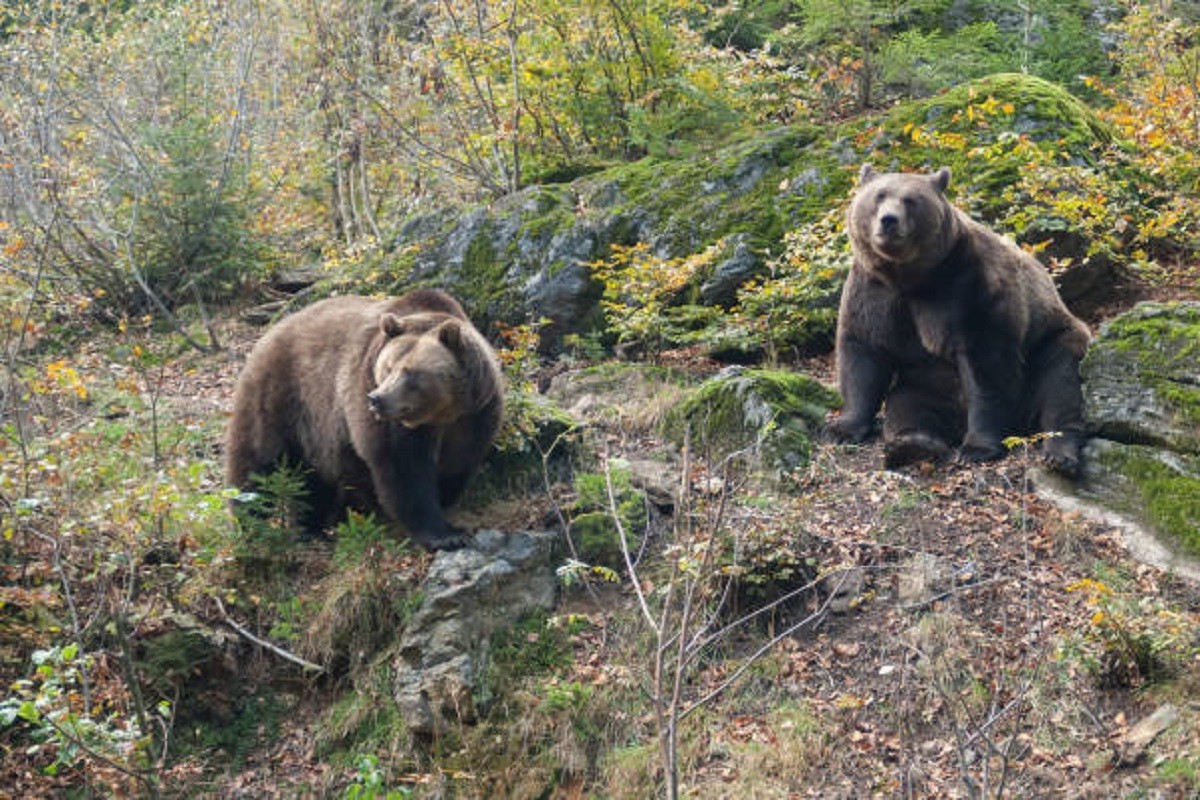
[(365, 720), (529, 649), (361, 609)]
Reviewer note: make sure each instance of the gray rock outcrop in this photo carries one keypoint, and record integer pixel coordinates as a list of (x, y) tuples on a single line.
[(470, 594), (1142, 404)]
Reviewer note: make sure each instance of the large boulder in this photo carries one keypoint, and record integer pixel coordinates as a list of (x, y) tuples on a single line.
[(1142, 402), (527, 255), (1142, 377)]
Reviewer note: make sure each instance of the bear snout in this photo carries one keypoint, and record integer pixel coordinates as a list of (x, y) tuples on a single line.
[(381, 405), (387, 408), (889, 224)]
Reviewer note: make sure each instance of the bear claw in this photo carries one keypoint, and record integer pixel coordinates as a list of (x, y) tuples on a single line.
[(847, 431)]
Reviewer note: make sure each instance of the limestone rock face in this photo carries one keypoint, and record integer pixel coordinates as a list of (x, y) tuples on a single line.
[(1142, 403), (469, 595)]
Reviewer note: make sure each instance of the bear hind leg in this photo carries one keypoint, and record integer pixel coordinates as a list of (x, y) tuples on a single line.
[(923, 418)]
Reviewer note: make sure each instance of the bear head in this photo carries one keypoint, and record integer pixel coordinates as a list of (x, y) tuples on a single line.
[(418, 373), (901, 224)]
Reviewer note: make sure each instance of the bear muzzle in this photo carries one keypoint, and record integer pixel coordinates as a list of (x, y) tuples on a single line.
[(386, 410), (889, 236)]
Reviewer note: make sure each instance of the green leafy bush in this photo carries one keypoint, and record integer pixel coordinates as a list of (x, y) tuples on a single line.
[(792, 310)]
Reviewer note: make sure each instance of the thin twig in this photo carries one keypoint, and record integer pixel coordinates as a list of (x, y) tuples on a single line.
[(760, 652), (279, 651), (633, 578)]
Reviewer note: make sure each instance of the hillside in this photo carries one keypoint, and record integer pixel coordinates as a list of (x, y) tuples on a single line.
[(677, 585)]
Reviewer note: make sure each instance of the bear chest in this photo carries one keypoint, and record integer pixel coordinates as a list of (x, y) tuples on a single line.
[(937, 327)]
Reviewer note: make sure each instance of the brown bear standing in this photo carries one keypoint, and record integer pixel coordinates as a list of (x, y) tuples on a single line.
[(391, 404), (960, 331)]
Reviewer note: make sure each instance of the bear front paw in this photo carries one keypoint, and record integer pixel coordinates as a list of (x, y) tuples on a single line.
[(981, 450), (1061, 455), (850, 430), (449, 539)]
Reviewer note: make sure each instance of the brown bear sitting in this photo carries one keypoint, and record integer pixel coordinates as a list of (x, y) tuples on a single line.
[(391, 404), (960, 331)]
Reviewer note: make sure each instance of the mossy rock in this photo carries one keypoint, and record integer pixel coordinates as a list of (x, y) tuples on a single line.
[(770, 413), (1158, 487), (527, 255), (681, 206), (1142, 377), (991, 114), (593, 529)]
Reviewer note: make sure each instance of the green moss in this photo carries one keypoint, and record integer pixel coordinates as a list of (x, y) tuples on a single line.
[(593, 528), (769, 410), (1162, 341), (735, 189), (482, 270), (1166, 492), (1182, 398), (1042, 110)]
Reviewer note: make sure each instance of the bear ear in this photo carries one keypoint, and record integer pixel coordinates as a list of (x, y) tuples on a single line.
[(392, 325), (866, 174), (941, 179), (450, 334)]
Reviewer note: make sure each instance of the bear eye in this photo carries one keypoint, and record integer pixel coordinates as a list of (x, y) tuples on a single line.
[(910, 202)]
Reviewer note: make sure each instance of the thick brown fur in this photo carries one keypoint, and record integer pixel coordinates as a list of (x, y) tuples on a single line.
[(961, 333), (391, 404)]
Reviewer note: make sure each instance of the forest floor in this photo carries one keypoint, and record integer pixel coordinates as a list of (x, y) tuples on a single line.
[(965, 638), (953, 635)]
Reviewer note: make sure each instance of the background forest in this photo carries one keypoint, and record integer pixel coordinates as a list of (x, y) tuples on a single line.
[(165, 165)]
